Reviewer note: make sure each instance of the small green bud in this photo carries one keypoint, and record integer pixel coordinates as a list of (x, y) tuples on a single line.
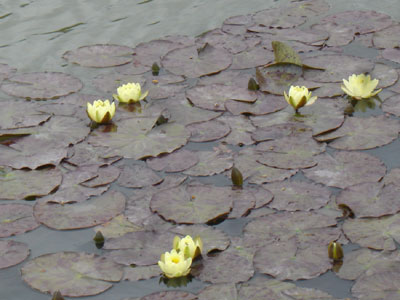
[(335, 251), (99, 239), (237, 177), (57, 296), (253, 85), (155, 69)]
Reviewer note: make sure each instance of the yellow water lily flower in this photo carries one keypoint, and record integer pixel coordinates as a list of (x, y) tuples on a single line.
[(299, 97), (101, 111), (174, 264), (189, 247), (130, 92), (360, 86)]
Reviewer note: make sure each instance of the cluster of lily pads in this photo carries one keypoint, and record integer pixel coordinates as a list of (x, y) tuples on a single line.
[(215, 109)]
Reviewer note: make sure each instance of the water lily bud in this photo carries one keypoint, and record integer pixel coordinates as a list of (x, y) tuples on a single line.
[(101, 111), (335, 251), (252, 85), (155, 69), (99, 239), (237, 177), (57, 296), (299, 97)]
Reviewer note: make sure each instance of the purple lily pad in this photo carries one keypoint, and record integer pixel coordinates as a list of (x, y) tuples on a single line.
[(138, 176), (18, 184), (297, 195), (213, 239), (218, 291), (192, 62), (386, 75), (392, 177), (337, 67), (12, 253), (291, 152), (167, 295), (137, 273), (20, 114), (375, 286), (254, 57), (375, 233), (177, 161), (84, 214), (328, 90), (140, 248), (214, 97), (208, 131), (392, 54), (41, 86), (193, 204), (105, 175), (6, 71), (100, 56), (353, 136), (371, 199), (278, 18), (117, 226), (16, 219), (265, 104), (136, 139), (211, 163), (279, 131), (285, 260), (241, 129), (387, 38), (74, 274), (344, 169), (110, 82)]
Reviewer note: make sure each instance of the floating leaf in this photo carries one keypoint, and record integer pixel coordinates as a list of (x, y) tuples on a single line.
[(176, 161), (167, 295), (285, 54), (74, 274), (218, 292), (41, 86), (12, 253), (100, 56), (254, 57), (380, 285), (208, 131), (392, 54), (387, 38), (344, 169), (116, 227), (137, 273), (265, 104), (278, 18), (210, 163), (138, 176), (16, 219)]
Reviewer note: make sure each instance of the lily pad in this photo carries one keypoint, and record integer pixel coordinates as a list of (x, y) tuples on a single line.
[(137, 273), (386, 75), (392, 54), (254, 57), (192, 62), (12, 253), (84, 214), (100, 56), (213, 238), (265, 104), (6, 71), (138, 176), (297, 195), (41, 86), (278, 18), (392, 177), (214, 97), (375, 233), (136, 139), (117, 226), (167, 295), (241, 129), (337, 67), (382, 285), (353, 136), (140, 247), (193, 204), (387, 38), (371, 199), (285, 260), (291, 152), (18, 184), (109, 83), (279, 131), (208, 131), (82, 274), (219, 291), (16, 219), (210, 163), (344, 169), (176, 161)]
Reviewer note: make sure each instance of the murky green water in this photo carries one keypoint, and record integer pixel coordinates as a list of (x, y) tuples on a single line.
[(35, 34)]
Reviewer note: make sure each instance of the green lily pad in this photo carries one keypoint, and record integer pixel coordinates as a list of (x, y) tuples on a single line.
[(12, 253), (210, 163), (285, 54), (16, 219), (74, 274), (214, 97), (41, 86), (138, 176), (84, 214), (100, 56), (193, 204), (371, 199), (375, 233), (297, 195), (136, 139), (195, 62), (344, 169), (18, 184), (352, 135)]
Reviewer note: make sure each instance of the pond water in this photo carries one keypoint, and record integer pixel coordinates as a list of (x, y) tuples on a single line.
[(35, 35)]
